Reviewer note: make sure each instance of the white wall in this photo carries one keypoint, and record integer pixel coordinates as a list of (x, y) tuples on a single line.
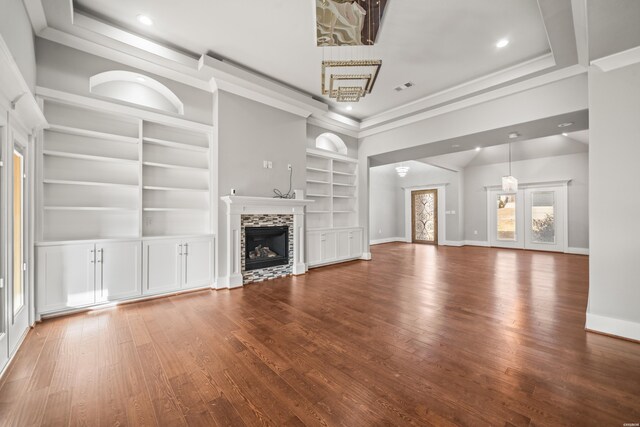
[(248, 133), (573, 166), (16, 31), (67, 69), (614, 283)]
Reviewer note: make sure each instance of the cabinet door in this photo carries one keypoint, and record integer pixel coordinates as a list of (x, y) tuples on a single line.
[(118, 270), (355, 243), (314, 247), (198, 263), (162, 269), (328, 248), (344, 239), (66, 277)]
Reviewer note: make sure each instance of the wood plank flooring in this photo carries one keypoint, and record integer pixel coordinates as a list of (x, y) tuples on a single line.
[(421, 335)]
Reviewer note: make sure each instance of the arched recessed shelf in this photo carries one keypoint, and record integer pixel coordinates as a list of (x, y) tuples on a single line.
[(331, 142), (136, 88)]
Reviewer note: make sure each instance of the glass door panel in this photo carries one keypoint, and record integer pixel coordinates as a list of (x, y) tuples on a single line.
[(18, 233), (506, 217), (424, 216), (545, 217)]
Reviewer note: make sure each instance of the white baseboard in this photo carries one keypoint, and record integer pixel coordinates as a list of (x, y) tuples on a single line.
[(612, 326), (366, 256), (387, 240), (577, 251), (229, 282), (482, 243), (453, 243)]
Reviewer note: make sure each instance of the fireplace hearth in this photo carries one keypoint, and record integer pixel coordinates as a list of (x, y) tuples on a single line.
[(266, 247)]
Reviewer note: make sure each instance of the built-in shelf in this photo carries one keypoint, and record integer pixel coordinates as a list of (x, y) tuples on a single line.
[(318, 170), (88, 183), (175, 210), (92, 133), (92, 157), (151, 187), (336, 198), (89, 208), (173, 144), (173, 166)]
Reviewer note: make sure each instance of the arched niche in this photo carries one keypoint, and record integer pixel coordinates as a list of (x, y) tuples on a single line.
[(136, 88), (331, 142)]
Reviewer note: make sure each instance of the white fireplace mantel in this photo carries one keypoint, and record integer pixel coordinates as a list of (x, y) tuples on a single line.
[(244, 205)]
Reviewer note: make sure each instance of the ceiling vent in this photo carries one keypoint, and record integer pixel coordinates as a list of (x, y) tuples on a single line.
[(402, 87)]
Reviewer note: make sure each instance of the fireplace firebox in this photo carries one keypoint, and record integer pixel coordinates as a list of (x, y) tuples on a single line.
[(266, 247)]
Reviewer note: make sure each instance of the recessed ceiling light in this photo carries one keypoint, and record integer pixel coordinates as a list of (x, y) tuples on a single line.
[(140, 79), (455, 146), (514, 135), (564, 125), (145, 20), (502, 43), (565, 134), (478, 148), (349, 108)]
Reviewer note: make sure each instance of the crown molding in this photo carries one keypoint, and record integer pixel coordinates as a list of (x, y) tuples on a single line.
[(16, 94), (500, 77), (618, 60), (36, 15), (542, 80), (331, 125)]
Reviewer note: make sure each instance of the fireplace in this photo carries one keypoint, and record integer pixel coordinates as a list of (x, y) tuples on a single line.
[(266, 247)]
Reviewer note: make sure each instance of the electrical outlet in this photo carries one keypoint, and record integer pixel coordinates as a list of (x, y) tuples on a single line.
[(265, 164), (270, 164), (380, 231), (289, 167), (475, 232)]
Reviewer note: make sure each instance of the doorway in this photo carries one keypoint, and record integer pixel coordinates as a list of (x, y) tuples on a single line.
[(424, 216), (530, 218)]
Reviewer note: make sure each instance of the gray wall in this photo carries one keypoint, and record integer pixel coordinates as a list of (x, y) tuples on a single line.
[(614, 116), (16, 31), (314, 131), (67, 69), (387, 199), (248, 133), (573, 166), (387, 203)]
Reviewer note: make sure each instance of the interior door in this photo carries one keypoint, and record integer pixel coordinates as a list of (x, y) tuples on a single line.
[(18, 288), (424, 216), (545, 219)]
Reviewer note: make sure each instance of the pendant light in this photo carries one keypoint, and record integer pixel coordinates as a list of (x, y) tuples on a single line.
[(509, 183), (402, 170)]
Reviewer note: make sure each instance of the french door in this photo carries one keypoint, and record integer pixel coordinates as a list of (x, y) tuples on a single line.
[(530, 218), (18, 289), (424, 216)]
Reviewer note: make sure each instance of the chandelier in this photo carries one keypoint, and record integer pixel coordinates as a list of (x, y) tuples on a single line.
[(509, 183), (402, 170), (350, 26)]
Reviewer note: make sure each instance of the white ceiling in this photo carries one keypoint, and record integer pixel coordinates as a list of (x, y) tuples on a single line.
[(549, 146), (433, 43)]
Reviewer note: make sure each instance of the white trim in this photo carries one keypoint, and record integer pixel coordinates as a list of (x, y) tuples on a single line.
[(331, 155), (577, 251), (554, 76), (453, 243), (442, 216), (541, 184), (36, 15), (17, 94), (499, 77), (366, 256), (618, 60), (325, 123), (480, 243), (580, 26), (98, 104), (387, 240), (613, 326), (131, 77)]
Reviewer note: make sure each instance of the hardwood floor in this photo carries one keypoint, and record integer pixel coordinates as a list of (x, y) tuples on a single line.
[(422, 335)]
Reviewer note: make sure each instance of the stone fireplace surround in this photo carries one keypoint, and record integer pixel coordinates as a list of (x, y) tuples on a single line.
[(267, 211)]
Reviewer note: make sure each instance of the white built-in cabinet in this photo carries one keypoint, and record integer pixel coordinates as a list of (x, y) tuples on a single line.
[(333, 234), (124, 204), (175, 264)]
